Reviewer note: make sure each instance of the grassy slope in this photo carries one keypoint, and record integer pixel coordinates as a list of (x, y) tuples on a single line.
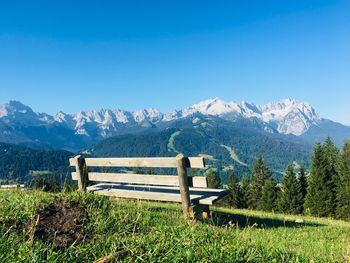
[(154, 232)]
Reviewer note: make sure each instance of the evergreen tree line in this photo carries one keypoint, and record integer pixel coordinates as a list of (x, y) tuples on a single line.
[(324, 191)]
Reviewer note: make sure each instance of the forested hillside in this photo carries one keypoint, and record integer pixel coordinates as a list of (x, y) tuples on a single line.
[(19, 164), (226, 145)]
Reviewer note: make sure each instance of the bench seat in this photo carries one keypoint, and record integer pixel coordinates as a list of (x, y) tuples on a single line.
[(202, 196)]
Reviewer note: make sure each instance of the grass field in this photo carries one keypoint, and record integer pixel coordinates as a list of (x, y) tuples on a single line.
[(133, 231)]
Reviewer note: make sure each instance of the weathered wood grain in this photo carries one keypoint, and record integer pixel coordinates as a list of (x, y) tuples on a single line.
[(183, 185), (81, 171), (154, 162)]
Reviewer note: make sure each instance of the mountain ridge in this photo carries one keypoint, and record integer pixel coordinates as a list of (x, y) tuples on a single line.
[(269, 113), (84, 128)]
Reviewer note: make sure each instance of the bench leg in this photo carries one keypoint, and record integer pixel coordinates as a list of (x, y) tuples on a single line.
[(200, 211), (205, 211)]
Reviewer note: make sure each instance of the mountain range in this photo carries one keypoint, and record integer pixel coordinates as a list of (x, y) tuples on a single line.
[(19, 124), (226, 133)]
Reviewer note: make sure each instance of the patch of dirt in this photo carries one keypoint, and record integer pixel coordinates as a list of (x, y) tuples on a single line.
[(60, 224)]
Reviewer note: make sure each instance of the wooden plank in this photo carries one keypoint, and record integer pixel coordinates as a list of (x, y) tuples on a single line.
[(204, 191), (72, 161), (195, 162), (155, 162), (132, 162), (146, 195), (167, 180), (165, 197), (133, 178), (212, 199), (74, 176), (199, 181), (141, 195), (157, 193)]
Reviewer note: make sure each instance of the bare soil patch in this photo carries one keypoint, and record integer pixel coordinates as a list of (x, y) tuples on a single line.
[(60, 224)]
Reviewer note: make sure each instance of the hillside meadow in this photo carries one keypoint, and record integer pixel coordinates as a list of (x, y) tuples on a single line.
[(133, 231)]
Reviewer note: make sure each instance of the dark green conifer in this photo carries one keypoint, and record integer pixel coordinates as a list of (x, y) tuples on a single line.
[(244, 186), (213, 179), (303, 180), (268, 195), (343, 193), (235, 192), (320, 197), (291, 198), (332, 159), (260, 174)]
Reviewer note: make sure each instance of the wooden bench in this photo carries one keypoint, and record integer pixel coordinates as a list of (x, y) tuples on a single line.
[(192, 192)]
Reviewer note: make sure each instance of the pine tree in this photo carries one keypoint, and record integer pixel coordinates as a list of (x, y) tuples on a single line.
[(291, 198), (213, 179), (235, 191), (303, 181), (343, 193), (260, 174), (268, 195), (320, 199), (244, 186), (332, 156)]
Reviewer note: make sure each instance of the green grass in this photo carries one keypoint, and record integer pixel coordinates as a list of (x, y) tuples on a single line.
[(233, 154), (156, 232)]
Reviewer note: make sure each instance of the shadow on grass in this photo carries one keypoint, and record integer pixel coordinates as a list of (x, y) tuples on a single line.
[(222, 219), (241, 220)]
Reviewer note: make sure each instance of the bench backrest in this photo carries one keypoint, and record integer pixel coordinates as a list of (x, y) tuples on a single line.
[(82, 165)]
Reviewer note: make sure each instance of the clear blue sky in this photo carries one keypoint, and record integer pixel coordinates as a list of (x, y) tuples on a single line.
[(75, 55)]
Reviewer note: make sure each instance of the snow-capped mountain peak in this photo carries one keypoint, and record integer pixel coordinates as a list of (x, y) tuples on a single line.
[(17, 112), (289, 116), (214, 106), (151, 114), (286, 116), (13, 107)]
